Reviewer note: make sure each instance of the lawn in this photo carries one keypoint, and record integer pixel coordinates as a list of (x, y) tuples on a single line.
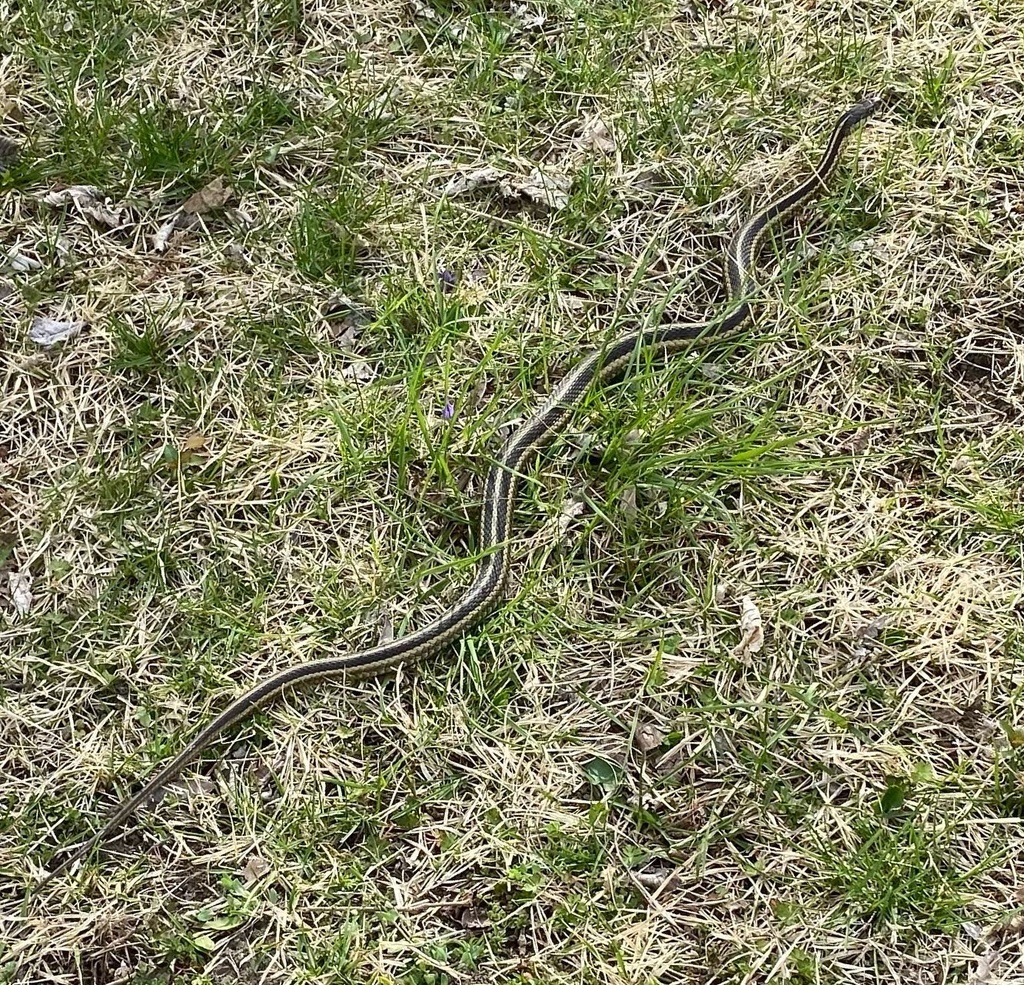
[(751, 709)]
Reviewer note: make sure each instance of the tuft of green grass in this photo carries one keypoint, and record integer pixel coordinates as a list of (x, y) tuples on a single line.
[(893, 869)]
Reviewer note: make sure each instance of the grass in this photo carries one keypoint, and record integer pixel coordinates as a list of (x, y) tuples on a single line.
[(270, 444)]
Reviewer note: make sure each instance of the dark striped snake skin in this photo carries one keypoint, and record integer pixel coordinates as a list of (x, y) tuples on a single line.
[(487, 588)]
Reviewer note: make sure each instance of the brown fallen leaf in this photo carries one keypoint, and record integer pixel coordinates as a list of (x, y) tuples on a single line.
[(648, 737), (597, 136), (529, 19), (195, 444), (211, 196), (751, 630), (237, 257), (346, 336), (346, 319), (868, 633), (463, 184), (661, 878), (547, 188), (858, 444), (90, 201), (34, 363), (254, 868), (162, 238), (359, 370), (194, 786), (988, 963)]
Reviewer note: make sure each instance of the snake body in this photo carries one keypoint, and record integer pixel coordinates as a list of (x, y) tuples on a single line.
[(484, 594)]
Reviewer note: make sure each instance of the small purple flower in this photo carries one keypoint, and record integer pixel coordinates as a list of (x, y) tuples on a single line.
[(447, 281), (449, 411)]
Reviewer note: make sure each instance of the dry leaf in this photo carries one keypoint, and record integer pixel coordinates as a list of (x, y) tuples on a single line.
[(751, 631), (627, 506), (423, 11), (973, 930), (546, 188), (648, 737), (860, 441), (657, 879), (463, 184), (90, 201), (237, 256), (32, 363), (543, 187), (195, 786), (209, 197), (571, 509), (348, 334), (22, 264), (163, 235), (20, 585), (387, 629), (254, 868), (346, 318), (528, 18), (987, 964), (868, 633), (597, 136), (359, 370), (870, 630), (1014, 927), (50, 331)]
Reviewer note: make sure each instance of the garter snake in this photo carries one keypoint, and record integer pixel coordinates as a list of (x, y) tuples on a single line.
[(485, 592)]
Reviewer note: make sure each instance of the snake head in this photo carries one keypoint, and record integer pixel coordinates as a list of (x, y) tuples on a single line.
[(861, 110)]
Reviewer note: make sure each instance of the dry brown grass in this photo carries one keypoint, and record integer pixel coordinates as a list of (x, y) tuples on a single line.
[(214, 480)]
